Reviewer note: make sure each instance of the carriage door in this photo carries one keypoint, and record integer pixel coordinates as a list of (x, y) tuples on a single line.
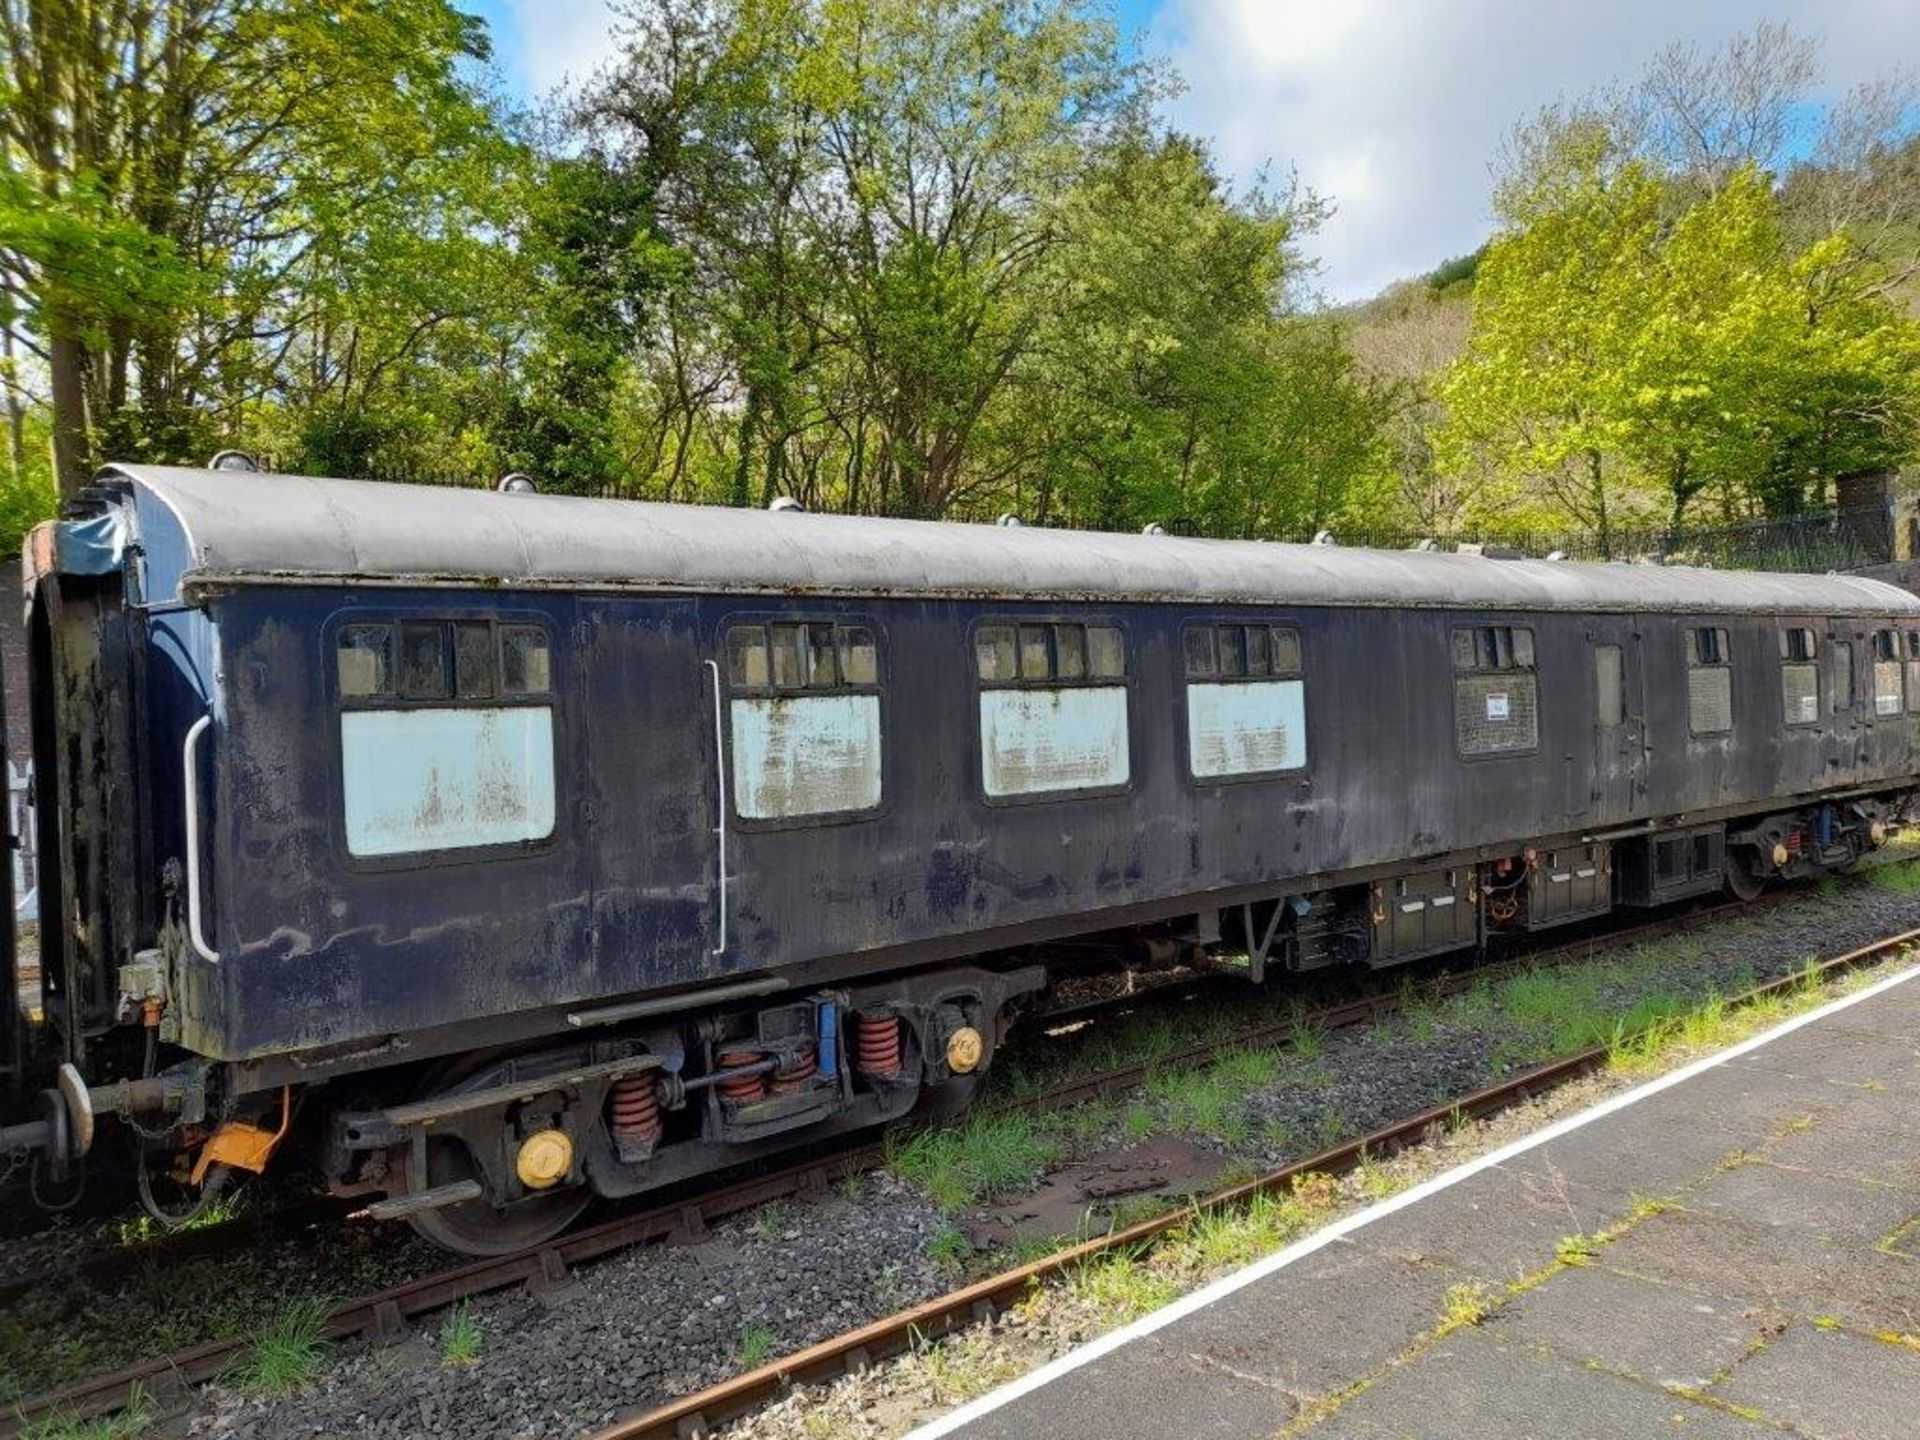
[(1619, 781), (1848, 693)]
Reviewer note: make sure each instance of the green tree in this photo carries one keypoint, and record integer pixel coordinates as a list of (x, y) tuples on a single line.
[(216, 209)]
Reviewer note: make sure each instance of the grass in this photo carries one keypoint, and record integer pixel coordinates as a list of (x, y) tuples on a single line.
[(460, 1336), (1464, 1305), (1901, 879), (125, 1425), (755, 1348), (285, 1357), (950, 1247), (961, 1165), (143, 1229)]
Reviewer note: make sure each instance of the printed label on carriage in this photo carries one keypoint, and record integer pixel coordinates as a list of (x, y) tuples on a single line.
[(1497, 705)]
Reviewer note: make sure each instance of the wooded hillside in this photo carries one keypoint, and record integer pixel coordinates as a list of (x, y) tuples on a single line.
[(939, 259)]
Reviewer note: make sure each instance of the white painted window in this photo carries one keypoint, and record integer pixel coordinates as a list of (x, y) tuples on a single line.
[(1889, 679), (1053, 709), (805, 719), (1246, 702), (442, 746), (805, 755), (446, 779)]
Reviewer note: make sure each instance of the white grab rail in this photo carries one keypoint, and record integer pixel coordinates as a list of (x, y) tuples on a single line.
[(191, 786), (720, 797)]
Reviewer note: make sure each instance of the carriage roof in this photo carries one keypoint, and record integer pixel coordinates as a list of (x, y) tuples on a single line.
[(204, 528)]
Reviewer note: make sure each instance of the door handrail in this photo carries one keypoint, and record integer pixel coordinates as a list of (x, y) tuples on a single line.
[(720, 798), (192, 798)]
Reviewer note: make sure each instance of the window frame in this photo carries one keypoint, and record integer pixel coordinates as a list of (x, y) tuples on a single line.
[(1722, 660), (1456, 672), (1872, 712), (878, 688), (976, 687), (1210, 626), (1813, 659), (339, 703), (1052, 625)]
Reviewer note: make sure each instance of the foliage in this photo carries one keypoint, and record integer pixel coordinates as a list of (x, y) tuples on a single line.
[(1635, 347)]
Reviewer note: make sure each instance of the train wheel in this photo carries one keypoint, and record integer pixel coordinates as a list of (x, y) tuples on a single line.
[(1744, 880), (481, 1227), (949, 1098)]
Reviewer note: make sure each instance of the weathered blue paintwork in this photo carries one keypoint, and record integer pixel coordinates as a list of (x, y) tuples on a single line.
[(321, 946)]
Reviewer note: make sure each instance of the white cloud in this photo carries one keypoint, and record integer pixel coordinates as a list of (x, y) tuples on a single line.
[(1392, 108), (559, 41)]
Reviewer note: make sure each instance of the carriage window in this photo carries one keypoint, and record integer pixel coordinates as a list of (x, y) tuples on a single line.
[(1048, 654), (1495, 692), (365, 659), (1053, 708), (1246, 705), (1241, 652), (423, 662), (1709, 681), (526, 665), (859, 655), (1889, 687), (805, 715), (993, 653), (1609, 686), (1913, 672), (443, 742), (1492, 647), (475, 660), (1799, 677), (1842, 675)]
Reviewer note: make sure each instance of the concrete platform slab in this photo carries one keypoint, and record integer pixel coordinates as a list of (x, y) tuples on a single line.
[(1665, 1334), (1862, 1139), (1831, 1385), (1838, 1207), (1481, 1383), (1789, 1166), (1126, 1393), (1358, 1309)]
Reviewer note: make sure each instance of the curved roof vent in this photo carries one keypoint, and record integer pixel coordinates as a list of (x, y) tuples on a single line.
[(1153, 527), (781, 504), (514, 483), (1557, 555), (1428, 546), (234, 460), (1324, 537), (1010, 520)]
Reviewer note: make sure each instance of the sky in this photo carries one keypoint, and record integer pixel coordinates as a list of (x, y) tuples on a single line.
[(1388, 108)]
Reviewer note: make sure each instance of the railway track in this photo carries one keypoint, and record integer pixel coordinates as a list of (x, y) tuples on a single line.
[(972, 1304), (385, 1314)]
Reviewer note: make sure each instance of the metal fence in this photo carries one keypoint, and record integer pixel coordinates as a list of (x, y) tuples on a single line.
[(1811, 543)]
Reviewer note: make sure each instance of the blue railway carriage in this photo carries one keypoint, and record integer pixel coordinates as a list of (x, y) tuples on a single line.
[(500, 850)]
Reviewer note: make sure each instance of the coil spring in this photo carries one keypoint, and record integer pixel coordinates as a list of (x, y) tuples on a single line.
[(876, 1045), (741, 1087), (798, 1076), (635, 1109)]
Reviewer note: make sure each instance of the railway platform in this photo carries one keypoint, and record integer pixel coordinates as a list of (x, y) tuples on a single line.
[(1732, 1250)]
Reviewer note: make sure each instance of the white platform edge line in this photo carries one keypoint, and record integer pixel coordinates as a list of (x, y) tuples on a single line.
[(1227, 1284)]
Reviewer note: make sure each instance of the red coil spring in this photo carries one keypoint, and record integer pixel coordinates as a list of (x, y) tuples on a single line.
[(785, 1082), (742, 1087), (876, 1045), (635, 1109)]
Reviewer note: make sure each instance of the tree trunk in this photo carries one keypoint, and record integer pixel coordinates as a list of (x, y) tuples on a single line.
[(16, 413), (1602, 526), (67, 371)]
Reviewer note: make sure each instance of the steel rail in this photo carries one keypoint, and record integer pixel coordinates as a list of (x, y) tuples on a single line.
[(547, 1268), (971, 1304)]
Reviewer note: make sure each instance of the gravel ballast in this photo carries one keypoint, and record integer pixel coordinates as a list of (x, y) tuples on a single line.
[(660, 1322)]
